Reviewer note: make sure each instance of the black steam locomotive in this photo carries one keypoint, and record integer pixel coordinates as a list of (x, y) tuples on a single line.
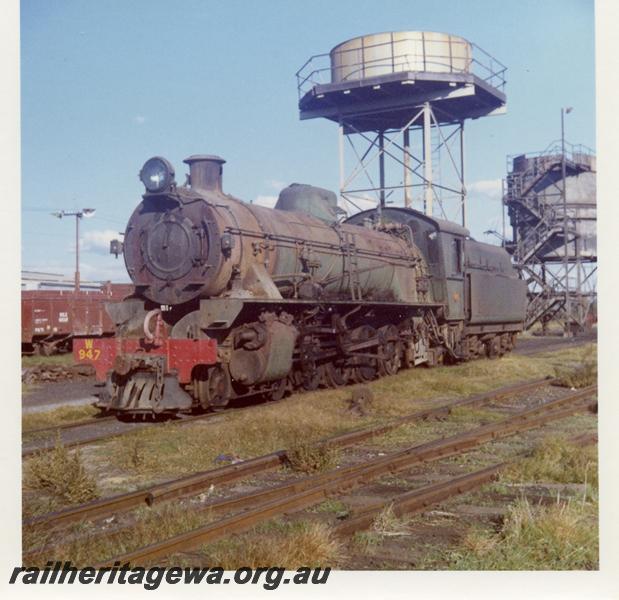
[(233, 299)]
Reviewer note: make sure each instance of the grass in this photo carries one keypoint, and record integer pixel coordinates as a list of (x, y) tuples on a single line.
[(581, 375), (560, 537), (152, 524), (166, 451), (423, 431), (290, 545), (556, 460), (57, 360), (331, 506), (58, 416), (470, 415), (62, 474), (386, 524)]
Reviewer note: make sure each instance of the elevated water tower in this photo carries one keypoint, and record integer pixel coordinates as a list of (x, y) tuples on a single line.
[(400, 100)]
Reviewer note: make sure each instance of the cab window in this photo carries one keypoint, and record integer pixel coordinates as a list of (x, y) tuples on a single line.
[(456, 255)]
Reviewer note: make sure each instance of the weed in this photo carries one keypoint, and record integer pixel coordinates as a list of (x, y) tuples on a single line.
[(61, 473), (471, 415), (387, 522), (58, 416), (151, 524), (583, 375), (563, 536), (310, 458), (365, 541), (290, 545), (331, 506), (135, 455), (556, 460), (56, 360)]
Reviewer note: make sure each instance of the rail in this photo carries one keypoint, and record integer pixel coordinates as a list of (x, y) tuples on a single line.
[(317, 488), (193, 484)]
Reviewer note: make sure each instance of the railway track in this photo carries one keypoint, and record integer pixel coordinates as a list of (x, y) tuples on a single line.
[(198, 482), (312, 490), (116, 428), (298, 494), (421, 498), (51, 429)]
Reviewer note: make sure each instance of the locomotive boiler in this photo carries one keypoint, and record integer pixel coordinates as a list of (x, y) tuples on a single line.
[(233, 299)]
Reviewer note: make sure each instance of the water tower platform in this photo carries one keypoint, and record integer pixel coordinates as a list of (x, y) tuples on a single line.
[(376, 82)]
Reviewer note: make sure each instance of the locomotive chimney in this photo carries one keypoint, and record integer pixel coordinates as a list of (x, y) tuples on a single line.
[(205, 171)]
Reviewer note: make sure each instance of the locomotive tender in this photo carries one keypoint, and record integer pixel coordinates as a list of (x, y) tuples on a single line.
[(233, 299)]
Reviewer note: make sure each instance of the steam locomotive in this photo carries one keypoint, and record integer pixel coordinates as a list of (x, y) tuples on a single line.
[(233, 299)]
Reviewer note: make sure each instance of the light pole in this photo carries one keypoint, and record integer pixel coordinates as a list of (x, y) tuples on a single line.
[(78, 214), (566, 264)]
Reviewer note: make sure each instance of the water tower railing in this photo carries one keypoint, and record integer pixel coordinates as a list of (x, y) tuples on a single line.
[(573, 153), (318, 70)]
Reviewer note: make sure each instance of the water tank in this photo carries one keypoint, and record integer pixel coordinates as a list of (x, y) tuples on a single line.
[(385, 53), (541, 176)]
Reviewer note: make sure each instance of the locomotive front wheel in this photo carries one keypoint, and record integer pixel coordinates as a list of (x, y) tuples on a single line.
[(279, 391), (213, 387)]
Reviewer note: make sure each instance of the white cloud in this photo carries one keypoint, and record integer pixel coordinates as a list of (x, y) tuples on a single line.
[(276, 184), (98, 241), (268, 201), (139, 119), (491, 188)]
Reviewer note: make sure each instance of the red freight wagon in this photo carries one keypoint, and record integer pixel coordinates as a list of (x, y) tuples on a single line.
[(51, 318)]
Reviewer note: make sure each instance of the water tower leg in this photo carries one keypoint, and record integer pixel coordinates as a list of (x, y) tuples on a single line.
[(341, 153), (427, 158), (462, 186), (381, 166), (407, 169)]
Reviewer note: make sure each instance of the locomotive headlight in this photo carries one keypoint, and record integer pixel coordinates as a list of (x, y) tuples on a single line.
[(157, 174)]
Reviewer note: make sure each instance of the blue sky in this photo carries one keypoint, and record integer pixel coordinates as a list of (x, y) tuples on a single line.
[(107, 84)]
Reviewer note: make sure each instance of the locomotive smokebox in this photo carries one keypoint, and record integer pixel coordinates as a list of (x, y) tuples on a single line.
[(205, 172)]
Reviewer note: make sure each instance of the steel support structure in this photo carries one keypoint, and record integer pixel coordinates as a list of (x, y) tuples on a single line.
[(420, 165), (547, 243)]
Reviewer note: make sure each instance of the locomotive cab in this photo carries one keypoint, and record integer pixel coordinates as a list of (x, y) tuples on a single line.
[(442, 244), (462, 271)]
